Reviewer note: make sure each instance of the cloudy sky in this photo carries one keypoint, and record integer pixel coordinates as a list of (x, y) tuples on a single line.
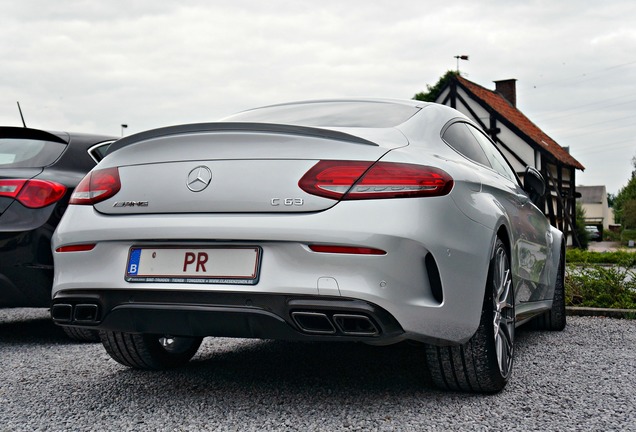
[(92, 65)]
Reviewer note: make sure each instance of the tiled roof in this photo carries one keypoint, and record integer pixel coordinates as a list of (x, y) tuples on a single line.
[(505, 109)]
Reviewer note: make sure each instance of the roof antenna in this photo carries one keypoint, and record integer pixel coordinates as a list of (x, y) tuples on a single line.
[(21, 116)]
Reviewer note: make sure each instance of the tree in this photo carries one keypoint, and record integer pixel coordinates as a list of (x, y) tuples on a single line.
[(581, 233), (431, 93), (627, 193), (629, 215)]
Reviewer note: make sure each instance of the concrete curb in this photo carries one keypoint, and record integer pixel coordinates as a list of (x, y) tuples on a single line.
[(601, 312)]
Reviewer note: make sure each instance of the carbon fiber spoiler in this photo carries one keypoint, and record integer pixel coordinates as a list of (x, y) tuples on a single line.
[(237, 127)]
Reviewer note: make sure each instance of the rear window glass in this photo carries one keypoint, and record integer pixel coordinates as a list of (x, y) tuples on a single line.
[(331, 114), (26, 153)]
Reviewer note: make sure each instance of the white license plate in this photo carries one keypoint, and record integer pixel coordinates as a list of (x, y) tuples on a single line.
[(232, 265)]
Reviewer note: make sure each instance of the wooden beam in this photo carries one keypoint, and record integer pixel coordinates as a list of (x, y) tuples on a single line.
[(568, 219)]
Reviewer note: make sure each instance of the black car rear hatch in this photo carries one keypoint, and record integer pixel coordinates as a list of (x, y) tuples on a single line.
[(24, 153)]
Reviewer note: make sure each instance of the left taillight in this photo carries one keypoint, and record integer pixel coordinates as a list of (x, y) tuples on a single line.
[(32, 193), (355, 180), (97, 186)]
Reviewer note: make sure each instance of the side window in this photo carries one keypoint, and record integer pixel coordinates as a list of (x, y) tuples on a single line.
[(497, 161), (98, 151), (459, 138)]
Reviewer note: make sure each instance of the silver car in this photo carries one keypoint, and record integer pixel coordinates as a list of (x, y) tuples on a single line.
[(374, 221)]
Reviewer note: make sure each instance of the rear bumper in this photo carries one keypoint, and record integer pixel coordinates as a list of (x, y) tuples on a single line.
[(247, 315), (444, 309), (26, 268)]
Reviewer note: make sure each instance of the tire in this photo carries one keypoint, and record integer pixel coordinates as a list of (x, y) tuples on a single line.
[(555, 318), (484, 363), (81, 335), (149, 352)]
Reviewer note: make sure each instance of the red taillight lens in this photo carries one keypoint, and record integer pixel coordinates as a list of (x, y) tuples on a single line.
[(346, 250), (332, 179), (33, 193), (97, 186), (354, 180)]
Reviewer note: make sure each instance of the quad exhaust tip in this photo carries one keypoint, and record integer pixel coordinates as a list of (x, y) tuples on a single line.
[(62, 312), (85, 313), (313, 322), (355, 325), (346, 324), (82, 313)]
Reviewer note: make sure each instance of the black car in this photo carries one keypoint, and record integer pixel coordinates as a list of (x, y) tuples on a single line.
[(38, 172)]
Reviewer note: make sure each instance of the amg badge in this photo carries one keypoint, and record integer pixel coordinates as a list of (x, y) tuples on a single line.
[(131, 204)]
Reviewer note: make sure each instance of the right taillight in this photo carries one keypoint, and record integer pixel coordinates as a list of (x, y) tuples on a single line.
[(355, 180), (97, 186)]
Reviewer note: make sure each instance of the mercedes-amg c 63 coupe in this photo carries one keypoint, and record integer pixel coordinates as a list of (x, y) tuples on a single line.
[(374, 221)]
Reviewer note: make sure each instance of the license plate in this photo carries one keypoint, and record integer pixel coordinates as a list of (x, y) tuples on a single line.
[(208, 265)]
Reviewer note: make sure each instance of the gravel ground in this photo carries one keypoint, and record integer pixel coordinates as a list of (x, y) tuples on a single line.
[(583, 378)]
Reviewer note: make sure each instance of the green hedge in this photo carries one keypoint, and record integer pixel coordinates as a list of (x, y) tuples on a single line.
[(600, 286), (580, 256)]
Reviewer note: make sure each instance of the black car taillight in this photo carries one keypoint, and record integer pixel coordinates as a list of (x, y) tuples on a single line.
[(32, 193), (355, 180), (96, 186)]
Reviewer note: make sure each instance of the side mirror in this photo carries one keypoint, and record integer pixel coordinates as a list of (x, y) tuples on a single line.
[(534, 185)]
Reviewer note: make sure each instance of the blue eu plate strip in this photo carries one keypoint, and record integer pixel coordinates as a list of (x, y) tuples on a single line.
[(133, 263)]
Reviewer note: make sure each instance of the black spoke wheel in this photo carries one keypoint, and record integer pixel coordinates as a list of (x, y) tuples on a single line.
[(503, 312), (148, 351), (484, 363), (555, 318)]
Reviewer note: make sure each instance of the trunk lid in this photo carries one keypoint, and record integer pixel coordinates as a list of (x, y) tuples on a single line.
[(233, 171)]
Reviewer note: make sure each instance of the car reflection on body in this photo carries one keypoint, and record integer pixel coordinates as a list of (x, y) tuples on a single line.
[(38, 171), (375, 221)]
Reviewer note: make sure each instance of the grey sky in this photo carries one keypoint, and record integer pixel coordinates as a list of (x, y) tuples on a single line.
[(89, 66)]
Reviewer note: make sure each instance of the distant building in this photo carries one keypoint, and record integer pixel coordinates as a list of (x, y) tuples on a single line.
[(594, 201), (521, 141)]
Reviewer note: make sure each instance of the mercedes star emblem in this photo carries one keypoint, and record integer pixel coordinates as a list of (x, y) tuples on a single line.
[(199, 178)]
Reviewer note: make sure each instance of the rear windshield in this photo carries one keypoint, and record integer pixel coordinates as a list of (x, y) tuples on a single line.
[(26, 153), (331, 114)]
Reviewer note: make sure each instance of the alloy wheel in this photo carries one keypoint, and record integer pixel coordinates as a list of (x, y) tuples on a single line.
[(504, 312)]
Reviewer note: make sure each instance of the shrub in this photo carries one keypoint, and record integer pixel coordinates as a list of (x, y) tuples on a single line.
[(601, 287), (579, 256), (627, 235), (609, 235)]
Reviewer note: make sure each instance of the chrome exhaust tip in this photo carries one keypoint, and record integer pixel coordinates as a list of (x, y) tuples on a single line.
[(85, 313), (62, 312), (313, 322), (355, 325)]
